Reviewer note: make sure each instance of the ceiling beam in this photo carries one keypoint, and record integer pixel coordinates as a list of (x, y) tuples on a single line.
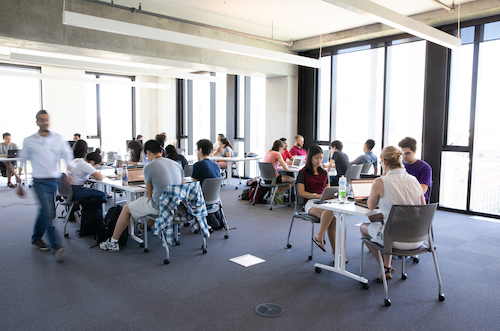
[(386, 16)]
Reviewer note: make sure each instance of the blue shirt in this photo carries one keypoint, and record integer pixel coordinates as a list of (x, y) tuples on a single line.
[(368, 157), (205, 168)]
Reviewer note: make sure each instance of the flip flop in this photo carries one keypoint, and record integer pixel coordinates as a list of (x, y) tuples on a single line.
[(11, 185), (319, 244)]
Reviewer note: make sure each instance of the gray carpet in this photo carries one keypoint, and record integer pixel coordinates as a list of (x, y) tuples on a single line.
[(130, 289)]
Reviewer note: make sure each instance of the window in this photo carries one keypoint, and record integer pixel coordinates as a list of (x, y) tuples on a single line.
[(201, 111), (324, 109)]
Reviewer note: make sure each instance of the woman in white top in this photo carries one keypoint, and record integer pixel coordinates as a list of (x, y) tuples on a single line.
[(394, 187)]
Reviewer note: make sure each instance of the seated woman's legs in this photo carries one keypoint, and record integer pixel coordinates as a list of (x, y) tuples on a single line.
[(222, 164), (327, 223), (285, 179), (363, 228)]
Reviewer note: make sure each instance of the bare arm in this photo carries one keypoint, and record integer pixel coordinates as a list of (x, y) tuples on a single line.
[(377, 192), (282, 163), (149, 190), (331, 164), (424, 188), (97, 175)]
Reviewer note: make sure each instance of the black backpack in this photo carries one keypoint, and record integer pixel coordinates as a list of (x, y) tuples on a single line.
[(91, 219), (107, 227), (215, 220)]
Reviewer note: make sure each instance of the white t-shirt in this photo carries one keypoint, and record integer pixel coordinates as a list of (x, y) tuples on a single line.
[(81, 171)]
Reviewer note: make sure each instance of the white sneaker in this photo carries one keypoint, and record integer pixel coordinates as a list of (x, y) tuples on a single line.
[(109, 246), (77, 217)]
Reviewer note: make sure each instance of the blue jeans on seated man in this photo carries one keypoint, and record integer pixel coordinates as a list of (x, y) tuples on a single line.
[(45, 190), (83, 193)]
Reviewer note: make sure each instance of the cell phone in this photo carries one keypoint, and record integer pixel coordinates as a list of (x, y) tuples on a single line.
[(319, 202)]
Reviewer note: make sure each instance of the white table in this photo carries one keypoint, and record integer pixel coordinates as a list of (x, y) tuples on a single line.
[(230, 161), (342, 212)]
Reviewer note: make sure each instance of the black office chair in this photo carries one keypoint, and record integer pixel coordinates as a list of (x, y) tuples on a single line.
[(407, 224)]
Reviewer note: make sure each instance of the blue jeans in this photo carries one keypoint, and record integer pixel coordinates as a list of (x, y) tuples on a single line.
[(80, 193), (45, 190)]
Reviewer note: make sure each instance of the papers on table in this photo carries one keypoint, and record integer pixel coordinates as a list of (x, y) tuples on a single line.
[(247, 260)]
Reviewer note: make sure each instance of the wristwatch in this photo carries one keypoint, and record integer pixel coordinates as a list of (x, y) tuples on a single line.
[(314, 195)]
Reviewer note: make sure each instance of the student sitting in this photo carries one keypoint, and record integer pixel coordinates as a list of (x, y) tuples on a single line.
[(80, 171), (204, 168), (287, 157), (368, 156), (8, 167), (136, 154), (339, 161), (80, 149), (225, 150), (311, 183), (298, 148), (394, 187), (274, 156), (159, 173), (173, 155)]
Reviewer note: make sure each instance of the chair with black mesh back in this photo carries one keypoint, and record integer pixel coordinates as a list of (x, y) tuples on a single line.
[(299, 213), (268, 176), (211, 193), (405, 224), (65, 193)]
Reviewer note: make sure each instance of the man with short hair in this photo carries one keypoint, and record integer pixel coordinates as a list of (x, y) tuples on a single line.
[(204, 168), (298, 148), (158, 174), (287, 157), (339, 161), (368, 156), (77, 137), (161, 138), (80, 171), (8, 166), (44, 149), (415, 167)]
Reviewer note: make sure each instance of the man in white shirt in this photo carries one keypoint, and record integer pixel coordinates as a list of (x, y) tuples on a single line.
[(158, 174), (5, 147), (44, 149)]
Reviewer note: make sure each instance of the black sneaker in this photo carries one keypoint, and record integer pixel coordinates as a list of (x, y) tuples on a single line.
[(40, 244)]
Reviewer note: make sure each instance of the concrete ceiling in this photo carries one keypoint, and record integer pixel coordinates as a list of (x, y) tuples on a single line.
[(283, 20)]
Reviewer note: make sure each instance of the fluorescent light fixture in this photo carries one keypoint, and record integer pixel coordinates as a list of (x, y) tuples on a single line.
[(384, 15), (88, 63), (4, 50), (91, 80), (141, 31)]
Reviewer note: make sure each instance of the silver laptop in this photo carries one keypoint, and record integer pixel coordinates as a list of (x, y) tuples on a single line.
[(361, 189), (329, 193), (135, 176), (296, 163)]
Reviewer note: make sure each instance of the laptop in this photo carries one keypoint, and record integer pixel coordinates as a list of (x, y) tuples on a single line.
[(302, 159), (11, 153), (135, 176), (361, 191), (296, 162), (329, 193)]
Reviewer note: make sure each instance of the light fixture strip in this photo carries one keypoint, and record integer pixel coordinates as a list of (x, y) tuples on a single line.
[(389, 17), (141, 31)]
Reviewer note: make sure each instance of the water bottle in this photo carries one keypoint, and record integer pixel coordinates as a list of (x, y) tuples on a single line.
[(342, 189), (124, 175)]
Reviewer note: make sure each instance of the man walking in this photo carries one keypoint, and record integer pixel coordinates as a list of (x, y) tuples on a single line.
[(44, 149)]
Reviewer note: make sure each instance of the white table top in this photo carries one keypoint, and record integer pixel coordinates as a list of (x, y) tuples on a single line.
[(346, 208)]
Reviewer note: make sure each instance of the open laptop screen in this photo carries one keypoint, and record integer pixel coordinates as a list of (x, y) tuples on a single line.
[(361, 188)]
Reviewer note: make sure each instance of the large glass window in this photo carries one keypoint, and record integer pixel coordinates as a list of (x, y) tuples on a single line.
[(405, 92), (453, 186), (201, 111), (220, 103), (485, 188), (359, 99), (19, 102), (324, 96)]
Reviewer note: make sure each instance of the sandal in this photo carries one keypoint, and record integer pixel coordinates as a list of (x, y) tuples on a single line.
[(388, 274), (319, 244), (9, 184)]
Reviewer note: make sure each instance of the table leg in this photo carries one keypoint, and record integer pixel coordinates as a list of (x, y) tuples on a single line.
[(130, 197), (340, 245)]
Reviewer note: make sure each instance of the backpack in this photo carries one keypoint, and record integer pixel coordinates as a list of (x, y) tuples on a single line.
[(215, 220), (107, 227), (245, 194), (260, 197), (91, 219)]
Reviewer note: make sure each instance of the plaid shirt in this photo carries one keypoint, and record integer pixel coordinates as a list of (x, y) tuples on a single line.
[(192, 196)]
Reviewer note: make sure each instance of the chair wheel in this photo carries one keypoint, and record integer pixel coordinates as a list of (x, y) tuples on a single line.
[(166, 261), (66, 235), (365, 286), (236, 188), (226, 236), (416, 260), (204, 251), (404, 276), (146, 250), (387, 302), (441, 297), (310, 257), (318, 270), (141, 245), (252, 203), (177, 243), (288, 246), (270, 208)]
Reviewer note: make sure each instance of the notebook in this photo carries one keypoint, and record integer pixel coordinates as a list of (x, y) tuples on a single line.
[(11, 153), (135, 176), (361, 191)]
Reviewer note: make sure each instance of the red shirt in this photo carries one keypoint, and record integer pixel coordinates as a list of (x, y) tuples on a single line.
[(312, 183), (286, 155), (298, 151)]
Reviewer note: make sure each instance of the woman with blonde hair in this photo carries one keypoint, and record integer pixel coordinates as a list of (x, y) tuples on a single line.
[(394, 187)]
